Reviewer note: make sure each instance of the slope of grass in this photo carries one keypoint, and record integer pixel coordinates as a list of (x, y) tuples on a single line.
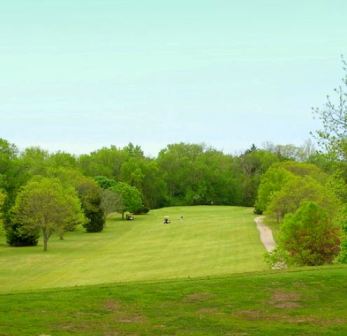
[(307, 302), (209, 240)]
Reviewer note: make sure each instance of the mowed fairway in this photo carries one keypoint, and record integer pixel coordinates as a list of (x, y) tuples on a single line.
[(210, 240)]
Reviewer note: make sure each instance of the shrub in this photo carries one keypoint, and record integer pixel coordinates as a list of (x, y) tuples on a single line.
[(310, 236), (141, 211), (96, 220), (16, 237)]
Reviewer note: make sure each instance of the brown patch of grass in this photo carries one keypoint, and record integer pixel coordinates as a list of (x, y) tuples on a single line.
[(251, 315), (197, 297), (112, 305), (254, 315), (131, 319), (282, 299)]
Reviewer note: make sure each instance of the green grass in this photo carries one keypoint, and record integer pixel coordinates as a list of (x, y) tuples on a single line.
[(210, 240), (307, 302)]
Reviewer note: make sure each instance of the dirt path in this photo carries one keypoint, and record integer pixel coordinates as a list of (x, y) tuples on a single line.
[(265, 234)]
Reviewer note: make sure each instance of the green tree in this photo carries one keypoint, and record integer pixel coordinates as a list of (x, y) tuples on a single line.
[(196, 174), (90, 195), (279, 174), (105, 182), (12, 177), (298, 190), (130, 198), (103, 162), (310, 236), (44, 205), (270, 183), (62, 159), (251, 166)]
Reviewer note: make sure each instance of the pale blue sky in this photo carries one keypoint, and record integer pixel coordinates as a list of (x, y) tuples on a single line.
[(80, 74)]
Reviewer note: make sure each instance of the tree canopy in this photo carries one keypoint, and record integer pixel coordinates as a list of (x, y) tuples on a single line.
[(45, 205)]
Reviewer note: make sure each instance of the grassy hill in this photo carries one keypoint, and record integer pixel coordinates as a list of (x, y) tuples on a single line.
[(305, 302), (210, 240)]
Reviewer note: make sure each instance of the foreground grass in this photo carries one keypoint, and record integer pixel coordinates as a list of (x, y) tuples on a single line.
[(210, 240), (307, 302)]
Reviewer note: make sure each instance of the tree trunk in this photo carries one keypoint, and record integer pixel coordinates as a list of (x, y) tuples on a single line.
[(45, 239), (123, 212)]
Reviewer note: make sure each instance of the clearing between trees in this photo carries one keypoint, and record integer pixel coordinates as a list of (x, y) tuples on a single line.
[(208, 240)]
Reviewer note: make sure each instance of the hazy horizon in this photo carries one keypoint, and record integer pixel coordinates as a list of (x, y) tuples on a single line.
[(80, 75)]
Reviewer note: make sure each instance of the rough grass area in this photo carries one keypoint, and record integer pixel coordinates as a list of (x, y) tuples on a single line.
[(306, 302), (210, 240)]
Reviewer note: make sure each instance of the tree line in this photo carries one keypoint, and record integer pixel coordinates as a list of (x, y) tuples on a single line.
[(90, 186)]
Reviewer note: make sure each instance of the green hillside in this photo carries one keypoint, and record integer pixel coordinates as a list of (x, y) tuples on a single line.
[(209, 240), (307, 302)]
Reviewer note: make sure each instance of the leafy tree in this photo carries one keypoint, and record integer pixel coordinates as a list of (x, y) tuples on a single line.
[(153, 186), (130, 198), (252, 165), (62, 159), (90, 195), (196, 174), (178, 164), (105, 182), (270, 183), (279, 174), (44, 205), (34, 161), (310, 236), (11, 178), (298, 190), (103, 162)]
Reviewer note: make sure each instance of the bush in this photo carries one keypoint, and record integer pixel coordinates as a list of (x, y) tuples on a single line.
[(310, 236), (96, 220), (277, 259), (16, 237), (90, 195), (141, 211)]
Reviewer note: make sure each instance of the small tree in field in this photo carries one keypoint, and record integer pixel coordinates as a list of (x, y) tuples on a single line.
[(310, 236), (44, 205), (130, 198)]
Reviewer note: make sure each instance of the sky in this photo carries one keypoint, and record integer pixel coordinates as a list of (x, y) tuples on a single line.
[(76, 75)]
